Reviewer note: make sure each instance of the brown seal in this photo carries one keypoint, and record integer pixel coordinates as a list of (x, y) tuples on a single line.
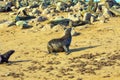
[(60, 44)]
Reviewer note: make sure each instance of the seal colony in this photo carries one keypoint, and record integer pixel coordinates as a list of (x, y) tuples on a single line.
[(60, 44), (5, 57)]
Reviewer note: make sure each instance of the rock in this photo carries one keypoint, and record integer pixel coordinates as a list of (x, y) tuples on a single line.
[(13, 8), (5, 24), (42, 6), (58, 28), (22, 24), (74, 33), (46, 11), (110, 3), (35, 11), (46, 27), (78, 6), (34, 4), (107, 13), (59, 20), (73, 17), (68, 9), (22, 11), (61, 6), (13, 13), (2, 9), (102, 19), (41, 18), (87, 17), (8, 6), (92, 19), (51, 15)]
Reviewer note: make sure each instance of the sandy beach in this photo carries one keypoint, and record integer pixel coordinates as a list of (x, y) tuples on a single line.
[(94, 53)]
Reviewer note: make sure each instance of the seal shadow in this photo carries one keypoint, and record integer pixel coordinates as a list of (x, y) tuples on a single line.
[(83, 48), (19, 61)]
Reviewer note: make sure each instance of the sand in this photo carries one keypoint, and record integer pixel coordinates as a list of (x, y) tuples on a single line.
[(94, 53)]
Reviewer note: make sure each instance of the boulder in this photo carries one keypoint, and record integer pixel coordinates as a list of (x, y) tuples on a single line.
[(87, 17), (8, 6), (22, 24), (35, 11), (92, 19), (47, 27), (73, 17), (41, 19), (61, 6), (58, 28), (106, 12), (59, 20), (74, 33), (46, 11)]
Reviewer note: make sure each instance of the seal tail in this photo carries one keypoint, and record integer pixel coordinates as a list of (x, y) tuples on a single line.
[(7, 55)]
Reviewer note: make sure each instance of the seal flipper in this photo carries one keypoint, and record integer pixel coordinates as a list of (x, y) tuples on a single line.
[(6, 56)]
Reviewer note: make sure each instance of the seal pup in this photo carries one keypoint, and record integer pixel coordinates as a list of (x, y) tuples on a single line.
[(5, 57), (60, 44)]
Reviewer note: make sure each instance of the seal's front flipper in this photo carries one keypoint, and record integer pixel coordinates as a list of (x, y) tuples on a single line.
[(66, 50)]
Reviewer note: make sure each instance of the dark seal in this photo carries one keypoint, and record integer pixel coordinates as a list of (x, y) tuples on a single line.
[(5, 57), (61, 44)]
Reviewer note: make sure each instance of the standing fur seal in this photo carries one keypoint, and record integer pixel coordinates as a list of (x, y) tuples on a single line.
[(5, 57), (60, 44)]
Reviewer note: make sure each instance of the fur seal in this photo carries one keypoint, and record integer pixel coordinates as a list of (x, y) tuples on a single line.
[(60, 44), (5, 57)]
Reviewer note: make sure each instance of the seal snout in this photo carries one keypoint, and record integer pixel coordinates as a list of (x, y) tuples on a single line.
[(11, 51)]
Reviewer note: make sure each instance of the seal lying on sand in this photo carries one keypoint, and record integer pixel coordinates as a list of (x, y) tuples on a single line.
[(60, 44), (4, 57)]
